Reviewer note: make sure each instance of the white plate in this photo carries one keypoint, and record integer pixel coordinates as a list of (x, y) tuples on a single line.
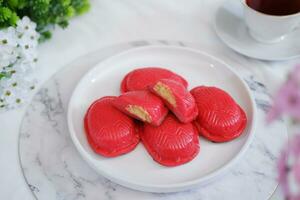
[(136, 169), (230, 27)]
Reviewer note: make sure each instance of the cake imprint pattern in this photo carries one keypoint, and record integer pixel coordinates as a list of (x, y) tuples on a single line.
[(109, 132), (140, 79), (220, 118), (172, 143)]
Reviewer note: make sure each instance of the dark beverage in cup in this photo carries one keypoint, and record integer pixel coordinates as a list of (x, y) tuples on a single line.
[(275, 7)]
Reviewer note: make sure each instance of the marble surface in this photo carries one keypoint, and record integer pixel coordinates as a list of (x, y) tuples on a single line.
[(110, 22), (54, 169)]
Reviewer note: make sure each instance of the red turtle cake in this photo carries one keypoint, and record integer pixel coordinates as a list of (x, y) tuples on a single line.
[(109, 132), (172, 143), (139, 79), (177, 98), (170, 139), (142, 105), (220, 118)]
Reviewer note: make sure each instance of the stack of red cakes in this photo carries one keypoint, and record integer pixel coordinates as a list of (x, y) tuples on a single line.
[(156, 107)]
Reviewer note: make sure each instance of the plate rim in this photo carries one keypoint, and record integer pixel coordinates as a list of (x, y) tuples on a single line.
[(156, 188), (237, 49)]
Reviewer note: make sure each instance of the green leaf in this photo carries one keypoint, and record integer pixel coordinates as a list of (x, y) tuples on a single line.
[(63, 24), (66, 2), (13, 3), (70, 12), (13, 19), (45, 36), (1, 76), (4, 75), (22, 4), (5, 14), (45, 13)]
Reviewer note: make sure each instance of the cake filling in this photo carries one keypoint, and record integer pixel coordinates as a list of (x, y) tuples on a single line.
[(165, 93), (140, 112)]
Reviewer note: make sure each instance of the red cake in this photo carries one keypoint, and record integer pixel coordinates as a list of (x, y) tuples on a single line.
[(109, 132), (177, 98), (140, 79), (220, 118), (142, 105), (173, 143)]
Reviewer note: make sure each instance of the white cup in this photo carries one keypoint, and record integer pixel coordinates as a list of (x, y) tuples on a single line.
[(269, 28)]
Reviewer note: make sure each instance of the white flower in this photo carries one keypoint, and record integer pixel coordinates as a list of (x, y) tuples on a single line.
[(14, 91), (27, 36), (26, 45), (30, 39), (8, 56), (22, 68), (18, 53), (8, 37), (24, 25), (8, 44), (28, 60)]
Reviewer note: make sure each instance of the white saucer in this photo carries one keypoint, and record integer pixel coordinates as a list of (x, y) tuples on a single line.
[(230, 27), (136, 169)]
